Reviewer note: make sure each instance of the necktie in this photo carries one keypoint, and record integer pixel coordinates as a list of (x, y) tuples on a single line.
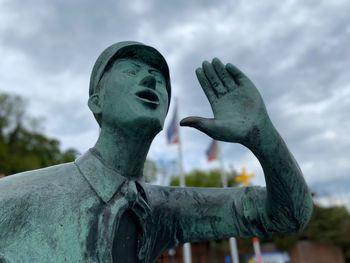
[(125, 226)]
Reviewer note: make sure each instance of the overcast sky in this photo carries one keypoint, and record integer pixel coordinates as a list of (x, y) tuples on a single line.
[(296, 52)]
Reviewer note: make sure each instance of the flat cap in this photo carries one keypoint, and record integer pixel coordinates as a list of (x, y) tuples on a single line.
[(128, 49)]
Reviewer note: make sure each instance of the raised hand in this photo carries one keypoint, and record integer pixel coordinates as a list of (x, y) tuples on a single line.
[(239, 111), (240, 116)]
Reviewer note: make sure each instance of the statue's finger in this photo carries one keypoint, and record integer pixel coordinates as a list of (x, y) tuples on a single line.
[(222, 73), (213, 78), (208, 90), (203, 124), (240, 78)]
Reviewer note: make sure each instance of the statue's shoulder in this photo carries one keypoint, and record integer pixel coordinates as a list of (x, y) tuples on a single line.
[(38, 199), (39, 181)]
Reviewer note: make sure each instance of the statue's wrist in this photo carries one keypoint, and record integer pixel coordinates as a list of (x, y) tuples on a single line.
[(262, 137)]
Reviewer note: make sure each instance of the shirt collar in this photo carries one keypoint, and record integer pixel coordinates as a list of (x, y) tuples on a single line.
[(103, 180)]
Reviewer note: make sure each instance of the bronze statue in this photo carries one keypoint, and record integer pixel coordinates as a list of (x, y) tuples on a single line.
[(98, 209)]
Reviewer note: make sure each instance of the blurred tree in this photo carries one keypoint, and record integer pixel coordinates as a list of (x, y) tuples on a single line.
[(21, 147), (330, 225), (212, 178), (12, 109)]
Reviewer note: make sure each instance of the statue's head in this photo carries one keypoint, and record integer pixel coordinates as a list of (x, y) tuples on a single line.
[(130, 86)]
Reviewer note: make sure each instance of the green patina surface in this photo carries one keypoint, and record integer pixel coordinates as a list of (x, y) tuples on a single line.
[(98, 209)]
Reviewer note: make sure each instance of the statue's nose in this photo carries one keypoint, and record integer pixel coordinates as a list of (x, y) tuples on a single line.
[(149, 82)]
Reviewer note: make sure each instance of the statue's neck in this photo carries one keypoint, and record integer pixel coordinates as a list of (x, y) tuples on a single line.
[(123, 152)]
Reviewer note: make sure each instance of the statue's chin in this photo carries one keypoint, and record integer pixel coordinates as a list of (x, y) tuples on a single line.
[(144, 128)]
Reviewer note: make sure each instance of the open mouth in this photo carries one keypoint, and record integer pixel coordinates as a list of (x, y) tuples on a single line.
[(148, 96)]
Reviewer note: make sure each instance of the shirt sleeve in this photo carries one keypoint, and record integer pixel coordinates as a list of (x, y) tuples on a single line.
[(197, 214)]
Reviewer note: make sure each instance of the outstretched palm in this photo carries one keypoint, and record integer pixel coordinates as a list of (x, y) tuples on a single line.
[(237, 105)]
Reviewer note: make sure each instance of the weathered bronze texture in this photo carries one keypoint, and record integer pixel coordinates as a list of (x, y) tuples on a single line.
[(98, 209)]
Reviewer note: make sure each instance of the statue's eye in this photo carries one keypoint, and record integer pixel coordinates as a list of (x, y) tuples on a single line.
[(130, 72), (158, 78)]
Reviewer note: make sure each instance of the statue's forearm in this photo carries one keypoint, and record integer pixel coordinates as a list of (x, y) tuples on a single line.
[(285, 205), (288, 202)]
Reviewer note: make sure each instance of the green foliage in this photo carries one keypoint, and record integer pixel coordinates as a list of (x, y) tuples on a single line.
[(12, 109), (22, 148), (330, 225), (199, 178)]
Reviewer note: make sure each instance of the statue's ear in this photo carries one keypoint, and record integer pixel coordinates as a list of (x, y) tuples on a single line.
[(94, 104)]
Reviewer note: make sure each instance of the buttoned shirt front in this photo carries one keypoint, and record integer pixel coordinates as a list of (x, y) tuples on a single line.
[(119, 195)]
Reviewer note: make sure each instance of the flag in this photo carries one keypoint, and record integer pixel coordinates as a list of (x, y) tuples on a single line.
[(212, 151), (172, 133)]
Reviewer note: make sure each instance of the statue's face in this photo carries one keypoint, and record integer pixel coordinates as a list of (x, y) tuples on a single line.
[(134, 94)]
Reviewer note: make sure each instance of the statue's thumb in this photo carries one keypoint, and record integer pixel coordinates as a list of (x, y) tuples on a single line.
[(203, 124)]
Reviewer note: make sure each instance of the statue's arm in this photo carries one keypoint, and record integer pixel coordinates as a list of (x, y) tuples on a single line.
[(285, 205), (197, 214), (287, 202)]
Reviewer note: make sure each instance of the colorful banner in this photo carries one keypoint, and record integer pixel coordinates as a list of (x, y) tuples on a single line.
[(212, 151), (172, 133)]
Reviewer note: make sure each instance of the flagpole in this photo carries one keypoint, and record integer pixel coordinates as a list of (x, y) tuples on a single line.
[(257, 251), (187, 246), (232, 240), (222, 168), (181, 169)]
